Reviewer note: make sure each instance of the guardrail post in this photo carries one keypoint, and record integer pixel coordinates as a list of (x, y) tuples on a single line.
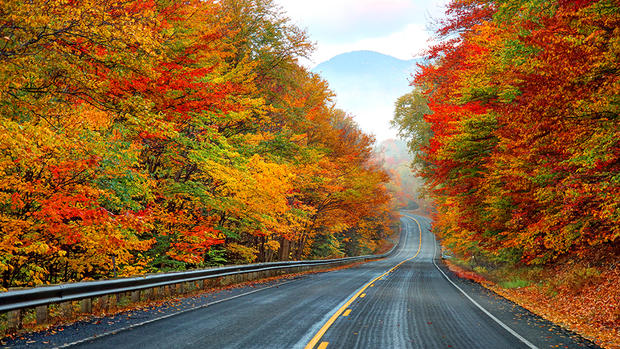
[(148, 294), (14, 319), (86, 305), (66, 309), (224, 280), (112, 301), (135, 296), (103, 303), (42, 313)]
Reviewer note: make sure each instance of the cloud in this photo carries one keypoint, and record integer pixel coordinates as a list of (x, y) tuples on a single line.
[(405, 44), (346, 20), (393, 27)]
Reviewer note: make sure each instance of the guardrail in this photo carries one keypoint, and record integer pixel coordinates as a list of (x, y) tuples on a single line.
[(156, 285)]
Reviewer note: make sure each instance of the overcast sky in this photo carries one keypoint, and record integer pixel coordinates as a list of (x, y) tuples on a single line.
[(399, 28), (395, 27)]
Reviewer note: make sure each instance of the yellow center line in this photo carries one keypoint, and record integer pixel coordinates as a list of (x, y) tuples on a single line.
[(346, 313), (338, 312), (362, 295)]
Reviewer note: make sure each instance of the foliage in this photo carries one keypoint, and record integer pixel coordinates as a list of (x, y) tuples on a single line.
[(580, 294), (149, 132), (409, 113), (523, 156)]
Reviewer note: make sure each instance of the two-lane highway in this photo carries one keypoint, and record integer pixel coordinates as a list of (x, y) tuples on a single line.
[(415, 306), (404, 301)]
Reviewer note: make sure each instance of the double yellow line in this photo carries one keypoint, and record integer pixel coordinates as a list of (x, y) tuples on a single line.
[(339, 312)]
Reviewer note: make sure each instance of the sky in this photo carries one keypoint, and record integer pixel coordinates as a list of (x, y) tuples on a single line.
[(395, 27), (399, 28)]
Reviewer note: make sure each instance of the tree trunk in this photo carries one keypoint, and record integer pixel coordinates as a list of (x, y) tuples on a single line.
[(285, 248), (300, 248), (261, 250)]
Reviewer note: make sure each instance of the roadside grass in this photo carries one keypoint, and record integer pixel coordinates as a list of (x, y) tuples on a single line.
[(582, 295), (515, 283)]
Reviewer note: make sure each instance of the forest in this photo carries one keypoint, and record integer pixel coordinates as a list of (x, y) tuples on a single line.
[(146, 136), (515, 128)]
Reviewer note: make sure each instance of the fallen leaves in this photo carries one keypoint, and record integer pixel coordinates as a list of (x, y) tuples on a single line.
[(591, 309)]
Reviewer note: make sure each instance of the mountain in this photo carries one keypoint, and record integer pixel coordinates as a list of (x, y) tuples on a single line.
[(367, 84), (368, 68)]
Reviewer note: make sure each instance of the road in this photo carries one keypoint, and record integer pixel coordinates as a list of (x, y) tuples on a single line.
[(408, 300)]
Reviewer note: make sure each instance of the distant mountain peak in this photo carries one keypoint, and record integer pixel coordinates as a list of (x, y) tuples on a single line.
[(362, 54), (367, 83), (356, 60)]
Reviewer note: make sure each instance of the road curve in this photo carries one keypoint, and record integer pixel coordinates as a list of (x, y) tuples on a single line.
[(418, 304)]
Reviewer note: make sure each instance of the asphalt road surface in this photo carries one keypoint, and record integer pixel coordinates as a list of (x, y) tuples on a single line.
[(408, 300)]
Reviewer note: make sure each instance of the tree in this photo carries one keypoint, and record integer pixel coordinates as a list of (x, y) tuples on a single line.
[(522, 122), (150, 132)]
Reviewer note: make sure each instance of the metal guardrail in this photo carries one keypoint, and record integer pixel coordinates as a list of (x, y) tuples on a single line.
[(38, 296)]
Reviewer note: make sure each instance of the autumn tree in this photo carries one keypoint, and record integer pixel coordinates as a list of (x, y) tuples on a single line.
[(138, 135), (524, 151), (58, 222)]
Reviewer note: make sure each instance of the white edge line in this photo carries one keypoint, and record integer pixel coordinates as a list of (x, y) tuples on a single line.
[(105, 334), (506, 327)]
